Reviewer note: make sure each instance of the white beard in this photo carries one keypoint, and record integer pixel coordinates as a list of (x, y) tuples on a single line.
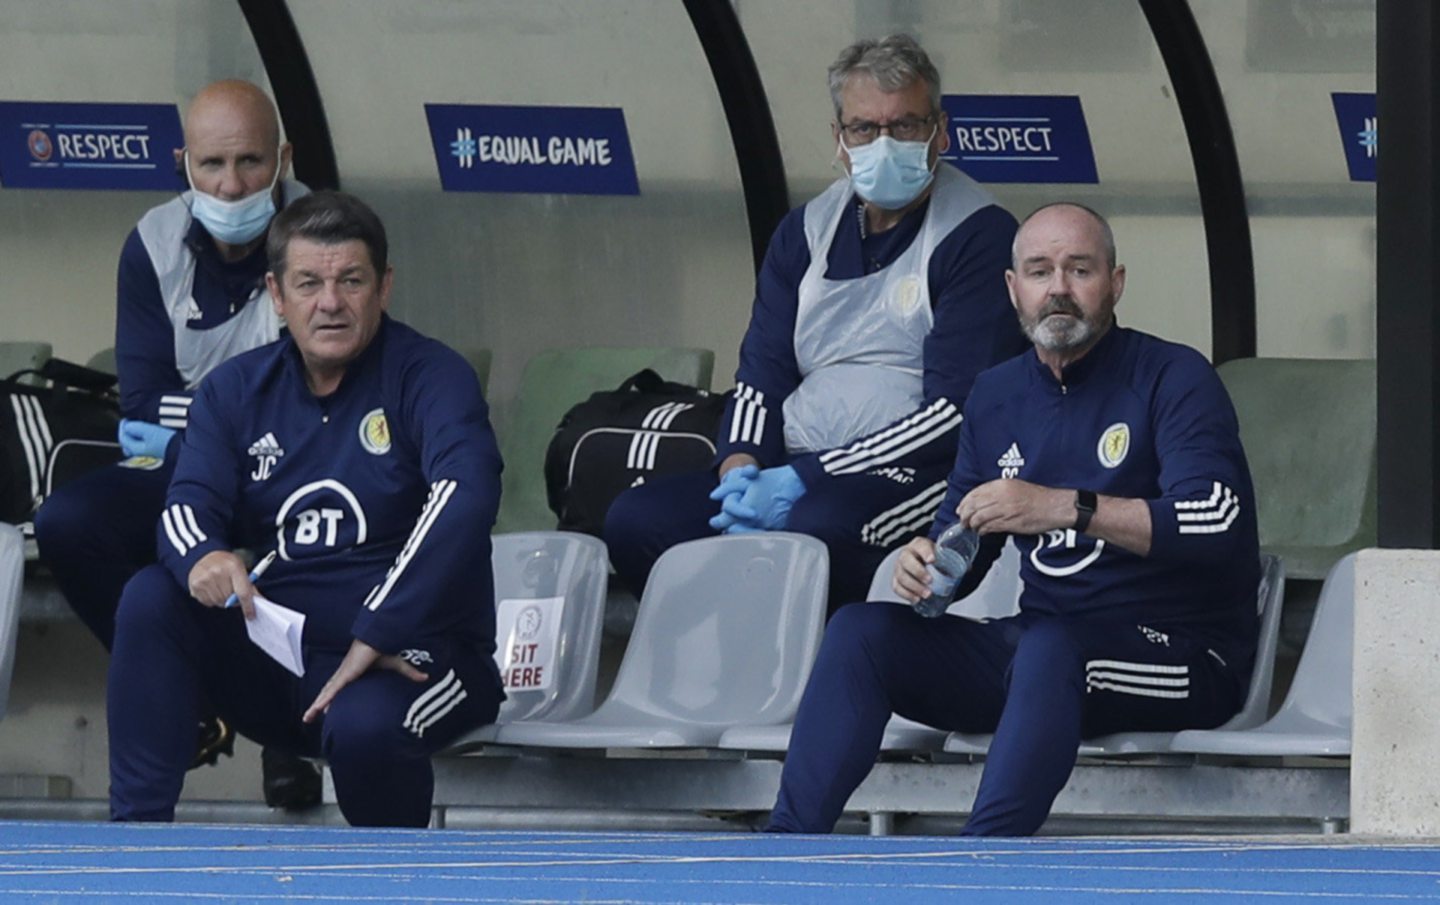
[(1060, 334)]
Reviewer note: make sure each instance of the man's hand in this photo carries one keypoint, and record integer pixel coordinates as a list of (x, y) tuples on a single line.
[(912, 579), (772, 495), (764, 506), (732, 487), (219, 574), (1012, 506), (360, 659), (738, 460), (141, 438)]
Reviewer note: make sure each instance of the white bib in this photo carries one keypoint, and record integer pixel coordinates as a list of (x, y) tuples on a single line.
[(859, 343), (197, 352)]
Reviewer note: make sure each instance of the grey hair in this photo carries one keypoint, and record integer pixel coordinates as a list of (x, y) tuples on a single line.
[(329, 218), (1107, 235), (895, 62)]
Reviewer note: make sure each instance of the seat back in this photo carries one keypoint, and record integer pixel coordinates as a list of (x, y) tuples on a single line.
[(1269, 600), (550, 385), (12, 571), (1308, 426), (479, 360), (22, 356), (549, 592), (1321, 687), (104, 360), (997, 596), (727, 631)]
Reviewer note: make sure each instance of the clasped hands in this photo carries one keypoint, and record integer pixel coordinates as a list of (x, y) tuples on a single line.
[(755, 499)]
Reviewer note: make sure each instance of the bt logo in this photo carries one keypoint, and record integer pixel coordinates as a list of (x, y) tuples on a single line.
[(319, 518), (1064, 552)]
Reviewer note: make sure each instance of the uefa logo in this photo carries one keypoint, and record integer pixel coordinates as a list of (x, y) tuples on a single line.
[(39, 145)]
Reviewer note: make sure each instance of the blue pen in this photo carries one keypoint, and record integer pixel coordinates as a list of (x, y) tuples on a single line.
[(255, 574)]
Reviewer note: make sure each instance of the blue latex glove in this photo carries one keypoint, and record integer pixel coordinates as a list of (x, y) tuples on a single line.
[(729, 491), (765, 504), (141, 438)]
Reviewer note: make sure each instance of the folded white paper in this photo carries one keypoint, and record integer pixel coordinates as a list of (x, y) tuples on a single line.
[(276, 630)]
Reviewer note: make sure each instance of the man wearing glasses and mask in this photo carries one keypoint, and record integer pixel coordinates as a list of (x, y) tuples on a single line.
[(191, 294), (878, 303)]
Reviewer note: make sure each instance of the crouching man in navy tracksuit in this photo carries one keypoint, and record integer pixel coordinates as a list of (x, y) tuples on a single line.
[(361, 453), (1113, 459)]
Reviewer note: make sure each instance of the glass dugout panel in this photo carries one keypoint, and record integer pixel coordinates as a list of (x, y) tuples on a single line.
[(59, 249), (520, 273), (1313, 229), (1099, 50)]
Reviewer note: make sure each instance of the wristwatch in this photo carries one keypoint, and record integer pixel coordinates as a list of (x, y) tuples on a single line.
[(1084, 509)]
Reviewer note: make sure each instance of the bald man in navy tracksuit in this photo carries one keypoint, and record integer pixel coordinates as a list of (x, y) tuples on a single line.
[(361, 452), (1113, 459)]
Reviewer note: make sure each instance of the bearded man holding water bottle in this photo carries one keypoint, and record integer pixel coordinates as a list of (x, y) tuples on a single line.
[(1113, 460)]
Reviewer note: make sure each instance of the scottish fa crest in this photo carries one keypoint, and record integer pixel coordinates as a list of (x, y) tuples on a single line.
[(1114, 444), (906, 296), (375, 433)]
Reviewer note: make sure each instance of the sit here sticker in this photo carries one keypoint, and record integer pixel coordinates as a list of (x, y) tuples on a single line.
[(545, 150), (529, 633)]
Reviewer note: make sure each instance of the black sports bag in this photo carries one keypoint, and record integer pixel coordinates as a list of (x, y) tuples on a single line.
[(51, 434), (618, 439)]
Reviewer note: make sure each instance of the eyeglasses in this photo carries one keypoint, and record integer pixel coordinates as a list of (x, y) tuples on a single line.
[(907, 128)]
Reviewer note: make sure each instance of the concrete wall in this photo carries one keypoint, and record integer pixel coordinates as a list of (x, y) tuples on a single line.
[(1395, 765)]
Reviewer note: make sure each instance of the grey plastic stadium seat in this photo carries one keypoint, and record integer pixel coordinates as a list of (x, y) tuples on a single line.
[(1315, 718), (901, 736), (541, 565), (997, 596), (550, 385), (1308, 426), (22, 356), (1268, 600), (727, 631), (479, 360), (104, 360), (12, 572)]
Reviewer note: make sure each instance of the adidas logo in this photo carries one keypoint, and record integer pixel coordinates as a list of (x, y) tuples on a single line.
[(193, 312), (1011, 463), (266, 446)]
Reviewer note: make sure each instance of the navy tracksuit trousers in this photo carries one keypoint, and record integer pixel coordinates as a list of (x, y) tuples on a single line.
[(378, 735), (98, 531), (860, 518), (1040, 683)]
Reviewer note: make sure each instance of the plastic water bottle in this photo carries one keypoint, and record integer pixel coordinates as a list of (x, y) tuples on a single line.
[(954, 552)]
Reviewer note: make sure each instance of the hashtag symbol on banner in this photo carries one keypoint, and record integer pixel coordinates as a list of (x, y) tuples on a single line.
[(1369, 137), (463, 147)]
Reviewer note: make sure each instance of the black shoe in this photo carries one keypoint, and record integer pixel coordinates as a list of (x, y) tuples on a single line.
[(290, 782), (216, 738)]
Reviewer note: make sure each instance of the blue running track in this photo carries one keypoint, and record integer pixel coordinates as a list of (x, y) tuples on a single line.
[(71, 862)]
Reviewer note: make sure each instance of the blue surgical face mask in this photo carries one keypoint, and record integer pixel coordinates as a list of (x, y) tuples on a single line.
[(234, 222), (888, 173)]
